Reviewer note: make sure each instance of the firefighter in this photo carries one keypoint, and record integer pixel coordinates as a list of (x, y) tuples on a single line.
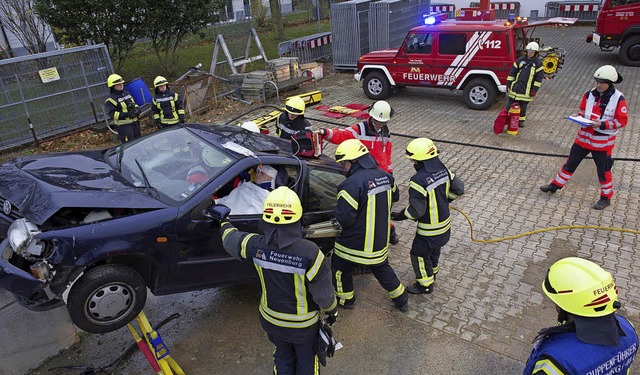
[(430, 191), (590, 337), (122, 109), (295, 278), (167, 105), (363, 209), (606, 108), (524, 80), (292, 120), (373, 133)]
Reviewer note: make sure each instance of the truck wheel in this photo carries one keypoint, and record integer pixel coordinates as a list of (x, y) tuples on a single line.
[(630, 51), (479, 93), (376, 86), (106, 298)]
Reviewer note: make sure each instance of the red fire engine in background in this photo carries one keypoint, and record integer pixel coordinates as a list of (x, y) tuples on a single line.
[(472, 53), (618, 25)]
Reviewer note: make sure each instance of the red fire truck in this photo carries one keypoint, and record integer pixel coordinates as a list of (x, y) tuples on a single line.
[(472, 53), (618, 25)]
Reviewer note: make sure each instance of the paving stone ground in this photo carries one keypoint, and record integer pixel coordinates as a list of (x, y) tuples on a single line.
[(488, 304)]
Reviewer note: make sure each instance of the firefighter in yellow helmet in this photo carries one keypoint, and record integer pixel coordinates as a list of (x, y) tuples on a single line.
[(122, 109), (524, 80), (590, 338), (292, 121), (167, 105), (362, 209), (430, 191), (295, 277)]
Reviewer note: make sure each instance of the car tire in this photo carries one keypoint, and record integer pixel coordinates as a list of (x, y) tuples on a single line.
[(106, 298), (376, 86), (630, 51), (480, 93)]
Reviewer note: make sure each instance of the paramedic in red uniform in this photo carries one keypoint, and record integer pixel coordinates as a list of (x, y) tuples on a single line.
[(607, 109)]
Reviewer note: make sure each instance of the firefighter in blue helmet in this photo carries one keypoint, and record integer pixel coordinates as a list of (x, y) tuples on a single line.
[(167, 105), (295, 278), (590, 338), (363, 209), (430, 191), (121, 108)]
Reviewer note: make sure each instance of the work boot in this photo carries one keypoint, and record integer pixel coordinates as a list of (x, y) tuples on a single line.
[(551, 188), (393, 238), (419, 289), (403, 308), (348, 304), (521, 124), (602, 204)]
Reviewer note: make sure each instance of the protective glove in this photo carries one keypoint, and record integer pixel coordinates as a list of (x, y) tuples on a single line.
[(533, 93), (331, 318), (398, 216), (322, 132), (157, 123), (181, 120)]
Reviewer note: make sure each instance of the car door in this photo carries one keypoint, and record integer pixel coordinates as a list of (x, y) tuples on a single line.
[(199, 260), (415, 60), (455, 51)]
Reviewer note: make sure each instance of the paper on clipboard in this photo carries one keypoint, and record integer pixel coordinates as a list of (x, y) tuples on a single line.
[(580, 120)]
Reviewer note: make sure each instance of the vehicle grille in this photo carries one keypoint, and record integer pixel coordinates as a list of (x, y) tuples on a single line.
[(15, 213)]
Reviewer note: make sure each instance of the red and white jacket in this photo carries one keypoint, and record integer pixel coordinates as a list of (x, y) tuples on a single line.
[(609, 107), (378, 143)]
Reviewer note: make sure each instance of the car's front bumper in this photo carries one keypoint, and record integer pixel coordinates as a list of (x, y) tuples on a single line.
[(29, 290)]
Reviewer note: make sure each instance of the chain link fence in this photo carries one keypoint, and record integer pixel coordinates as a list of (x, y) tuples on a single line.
[(52, 93)]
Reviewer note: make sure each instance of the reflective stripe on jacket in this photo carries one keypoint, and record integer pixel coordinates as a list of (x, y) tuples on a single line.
[(117, 106), (525, 78), (285, 128), (167, 107), (364, 210), (614, 117)]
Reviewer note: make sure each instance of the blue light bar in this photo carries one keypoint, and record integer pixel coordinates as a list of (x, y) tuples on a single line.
[(430, 20), (433, 18)]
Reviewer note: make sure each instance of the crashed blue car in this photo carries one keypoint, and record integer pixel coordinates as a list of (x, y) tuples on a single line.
[(93, 230)]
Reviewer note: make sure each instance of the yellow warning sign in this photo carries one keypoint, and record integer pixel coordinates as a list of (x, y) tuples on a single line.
[(49, 75)]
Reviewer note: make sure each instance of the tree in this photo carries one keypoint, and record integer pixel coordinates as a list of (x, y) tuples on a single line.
[(19, 18), (169, 21), (116, 23), (276, 17)]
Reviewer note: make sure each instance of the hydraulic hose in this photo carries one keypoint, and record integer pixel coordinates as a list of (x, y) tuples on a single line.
[(548, 229)]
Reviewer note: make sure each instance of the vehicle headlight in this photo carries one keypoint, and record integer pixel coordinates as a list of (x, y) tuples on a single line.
[(21, 234)]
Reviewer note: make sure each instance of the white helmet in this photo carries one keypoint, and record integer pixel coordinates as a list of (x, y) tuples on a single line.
[(251, 126), (608, 74), (381, 111), (533, 46)]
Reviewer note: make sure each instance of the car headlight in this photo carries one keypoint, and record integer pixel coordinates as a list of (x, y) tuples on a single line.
[(21, 234)]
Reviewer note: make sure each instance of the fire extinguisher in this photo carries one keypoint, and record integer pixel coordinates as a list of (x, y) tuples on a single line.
[(514, 118)]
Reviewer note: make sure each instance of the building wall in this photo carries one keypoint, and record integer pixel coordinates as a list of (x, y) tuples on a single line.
[(526, 6), (17, 48)]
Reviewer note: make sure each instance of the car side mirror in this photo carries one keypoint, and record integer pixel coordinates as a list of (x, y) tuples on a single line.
[(217, 212)]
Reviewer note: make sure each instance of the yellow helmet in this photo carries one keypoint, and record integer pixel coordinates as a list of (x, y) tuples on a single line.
[(114, 79), (581, 287), (294, 105), (421, 149), (159, 81), (350, 149), (282, 206)]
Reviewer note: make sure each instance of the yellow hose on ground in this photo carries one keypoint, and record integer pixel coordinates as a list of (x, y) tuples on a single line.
[(499, 239)]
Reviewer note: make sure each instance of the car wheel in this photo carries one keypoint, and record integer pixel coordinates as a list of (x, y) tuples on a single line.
[(479, 93), (106, 298), (376, 86), (630, 52)]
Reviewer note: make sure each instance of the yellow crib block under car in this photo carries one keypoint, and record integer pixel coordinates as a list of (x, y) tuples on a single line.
[(154, 350)]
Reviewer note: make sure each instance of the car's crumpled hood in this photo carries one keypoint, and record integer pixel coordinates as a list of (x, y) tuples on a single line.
[(41, 185)]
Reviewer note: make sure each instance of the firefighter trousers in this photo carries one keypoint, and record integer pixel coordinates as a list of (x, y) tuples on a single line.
[(424, 259), (129, 132), (603, 162), (343, 281), (523, 108), (294, 359)]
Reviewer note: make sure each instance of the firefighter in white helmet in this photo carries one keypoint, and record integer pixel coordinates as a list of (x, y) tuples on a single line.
[(524, 80), (122, 109), (606, 111), (590, 337), (295, 277), (373, 133), (167, 105), (430, 191)]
